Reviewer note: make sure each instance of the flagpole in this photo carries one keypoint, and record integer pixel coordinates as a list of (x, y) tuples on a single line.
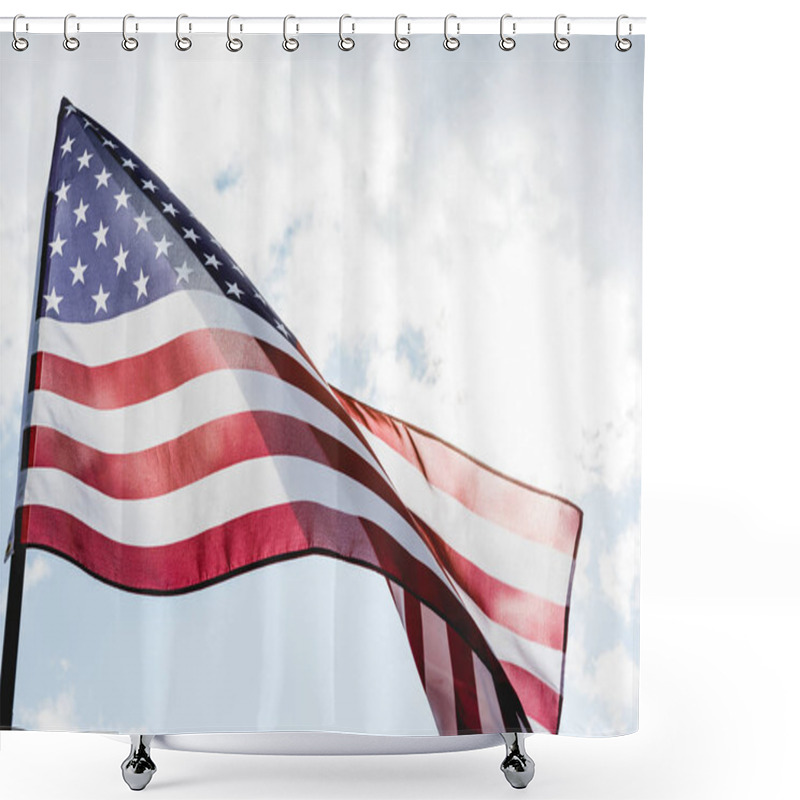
[(8, 669)]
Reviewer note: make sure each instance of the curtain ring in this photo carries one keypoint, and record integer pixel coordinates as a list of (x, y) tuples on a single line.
[(183, 43), (561, 43), (623, 45), (128, 42), (346, 42), (289, 45), (70, 42), (18, 42), (507, 42), (401, 42), (233, 44), (451, 42)]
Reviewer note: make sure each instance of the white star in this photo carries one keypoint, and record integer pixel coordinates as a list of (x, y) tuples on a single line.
[(148, 185), (100, 300), (211, 261), (84, 160), (141, 221), (183, 272), (100, 235), (162, 246), (258, 296), (61, 192), (141, 284), (120, 259), (282, 328), (169, 209), (233, 288), (80, 212), (109, 143), (188, 233), (128, 163), (53, 300), (237, 267), (67, 146), (77, 272), (69, 109), (102, 178), (87, 123), (122, 199), (57, 244)]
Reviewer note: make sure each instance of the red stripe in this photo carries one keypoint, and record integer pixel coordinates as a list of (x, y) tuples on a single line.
[(538, 699), (267, 534), (533, 617), (414, 633), (468, 716), (199, 452), (531, 513), (147, 375), (37, 372), (142, 377)]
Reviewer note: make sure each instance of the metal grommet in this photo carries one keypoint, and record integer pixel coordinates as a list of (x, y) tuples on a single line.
[(345, 42), (128, 42), (507, 42), (451, 42), (561, 43), (289, 45), (18, 42), (401, 42), (623, 45), (70, 42), (233, 44), (183, 43)]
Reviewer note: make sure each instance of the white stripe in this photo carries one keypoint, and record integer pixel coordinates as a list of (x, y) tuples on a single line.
[(438, 671), (488, 704), (230, 493), (504, 555), (194, 403), (538, 659), (151, 326)]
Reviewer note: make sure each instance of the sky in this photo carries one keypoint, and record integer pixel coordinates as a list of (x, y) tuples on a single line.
[(455, 238)]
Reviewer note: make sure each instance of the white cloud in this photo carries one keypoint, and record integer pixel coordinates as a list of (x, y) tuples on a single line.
[(619, 572), (36, 570), (616, 681), (20, 211), (601, 681), (605, 689), (53, 713)]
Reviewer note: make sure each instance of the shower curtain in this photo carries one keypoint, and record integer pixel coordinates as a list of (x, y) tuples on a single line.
[(321, 385)]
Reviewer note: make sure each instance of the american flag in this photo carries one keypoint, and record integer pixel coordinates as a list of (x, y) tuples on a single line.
[(177, 434)]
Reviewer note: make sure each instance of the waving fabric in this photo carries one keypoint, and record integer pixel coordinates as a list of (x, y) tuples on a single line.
[(179, 440)]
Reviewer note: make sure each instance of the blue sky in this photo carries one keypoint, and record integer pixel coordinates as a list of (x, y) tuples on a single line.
[(455, 238)]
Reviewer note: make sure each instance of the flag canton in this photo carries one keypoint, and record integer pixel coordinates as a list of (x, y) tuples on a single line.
[(116, 238)]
